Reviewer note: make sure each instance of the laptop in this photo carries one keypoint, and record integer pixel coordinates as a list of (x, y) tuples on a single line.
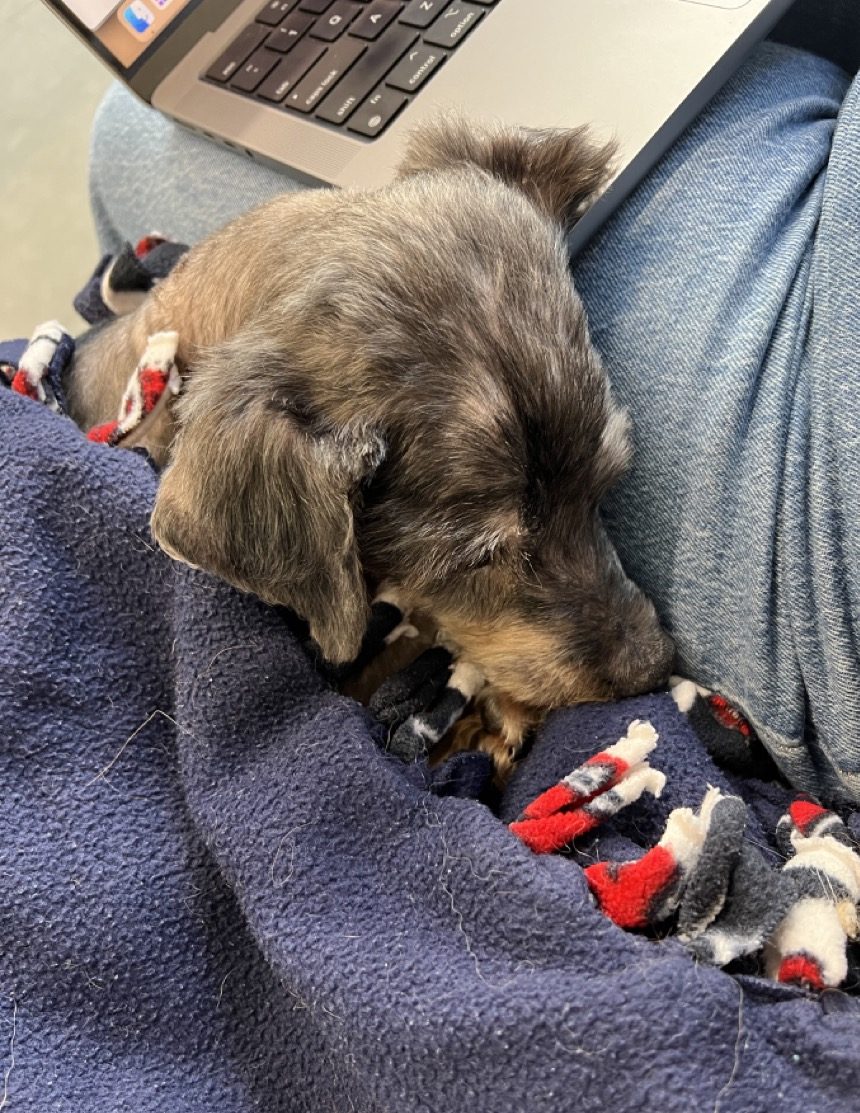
[(331, 88)]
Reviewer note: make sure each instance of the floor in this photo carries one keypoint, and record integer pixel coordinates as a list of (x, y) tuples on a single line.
[(49, 246)]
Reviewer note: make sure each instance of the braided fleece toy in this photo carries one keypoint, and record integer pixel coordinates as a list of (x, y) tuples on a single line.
[(702, 878)]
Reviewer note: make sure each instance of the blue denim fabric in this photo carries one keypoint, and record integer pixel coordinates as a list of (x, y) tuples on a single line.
[(724, 298), (178, 183)]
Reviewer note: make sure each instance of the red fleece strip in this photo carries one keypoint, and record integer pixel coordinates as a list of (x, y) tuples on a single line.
[(563, 795), (805, 813), (801, 970), (101, 434), (544, 836), (145, 245), (727, 715), (152, 386), (629, 892), (21, 385)]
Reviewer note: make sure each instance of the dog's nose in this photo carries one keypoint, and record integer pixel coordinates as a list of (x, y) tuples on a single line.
[(643, 664)]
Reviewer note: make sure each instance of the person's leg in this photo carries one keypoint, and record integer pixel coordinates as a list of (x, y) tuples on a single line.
[(820, 509), (177, 183), (701, 296)]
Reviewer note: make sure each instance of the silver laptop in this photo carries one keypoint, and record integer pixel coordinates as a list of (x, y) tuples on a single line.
[(330, 88)]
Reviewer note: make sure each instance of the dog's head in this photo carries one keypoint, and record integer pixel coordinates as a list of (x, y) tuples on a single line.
[(423, 406)]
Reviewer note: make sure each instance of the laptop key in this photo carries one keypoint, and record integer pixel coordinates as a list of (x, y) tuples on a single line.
[(375, 18), (365, 75), (335, 21), (286, 36), (237, 52), (377, 112), (454, 24), (421, 13), (415, 68), (275, 11), (290, 70), (325, 74), (259, 65), (284, 57)]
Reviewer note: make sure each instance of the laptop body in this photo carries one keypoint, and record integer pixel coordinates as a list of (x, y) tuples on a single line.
[(330, 89)]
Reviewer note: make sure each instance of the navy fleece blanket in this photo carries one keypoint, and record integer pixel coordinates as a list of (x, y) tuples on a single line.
[(218, 894)]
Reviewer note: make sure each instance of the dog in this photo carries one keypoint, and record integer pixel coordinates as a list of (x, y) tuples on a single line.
[(399, 387)]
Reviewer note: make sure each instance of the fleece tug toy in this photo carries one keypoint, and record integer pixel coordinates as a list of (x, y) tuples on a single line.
[(38, 370), (434, 707), (728, 737), (415, 706), (703, 878), (726, 897), (121, 282), (641, 893), (421, 702), (118, 285), (154, 382)]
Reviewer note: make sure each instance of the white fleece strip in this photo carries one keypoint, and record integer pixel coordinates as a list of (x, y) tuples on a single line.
[(120, 302), (159, 353), (684, 835), (160, 350), (404, 630), (39, 353), (639, 780), (638, 742), (812, 927), (684, 692)]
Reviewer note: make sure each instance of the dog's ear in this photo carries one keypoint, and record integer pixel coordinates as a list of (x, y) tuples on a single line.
[(560, 170), (259, 495)]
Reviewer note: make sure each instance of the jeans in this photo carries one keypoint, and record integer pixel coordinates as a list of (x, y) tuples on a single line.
[(725, 298)]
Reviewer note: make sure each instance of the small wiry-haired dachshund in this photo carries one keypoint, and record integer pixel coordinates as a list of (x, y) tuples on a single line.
[(399, 387)]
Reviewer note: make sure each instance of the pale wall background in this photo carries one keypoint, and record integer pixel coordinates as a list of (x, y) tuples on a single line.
[(50, 90)]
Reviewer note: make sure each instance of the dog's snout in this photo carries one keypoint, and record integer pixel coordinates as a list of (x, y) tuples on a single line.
[(642, 663)]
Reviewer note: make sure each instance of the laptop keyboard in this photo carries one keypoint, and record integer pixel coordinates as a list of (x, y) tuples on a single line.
[(348, 63)]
